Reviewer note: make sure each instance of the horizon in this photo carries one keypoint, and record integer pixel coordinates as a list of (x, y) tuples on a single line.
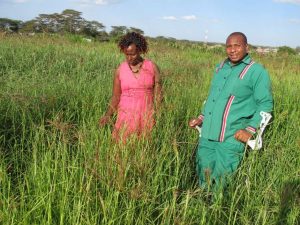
[(269, 23)]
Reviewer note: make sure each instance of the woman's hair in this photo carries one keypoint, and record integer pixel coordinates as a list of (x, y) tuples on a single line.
[(134, 38)]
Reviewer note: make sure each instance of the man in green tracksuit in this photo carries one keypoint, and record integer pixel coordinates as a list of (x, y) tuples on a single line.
[(239, 91)]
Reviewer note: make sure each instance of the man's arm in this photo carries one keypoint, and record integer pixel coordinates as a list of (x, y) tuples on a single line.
[(262, 93)]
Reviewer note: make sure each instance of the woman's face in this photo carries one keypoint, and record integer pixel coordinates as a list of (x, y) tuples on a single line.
[(132, 54)]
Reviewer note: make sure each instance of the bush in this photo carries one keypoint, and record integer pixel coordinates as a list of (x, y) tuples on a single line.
[(287, 50)]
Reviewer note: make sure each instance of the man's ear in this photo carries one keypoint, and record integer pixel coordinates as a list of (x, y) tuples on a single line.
[(247, 48)]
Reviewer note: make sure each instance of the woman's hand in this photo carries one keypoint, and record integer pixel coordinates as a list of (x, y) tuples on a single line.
[(103, 121)]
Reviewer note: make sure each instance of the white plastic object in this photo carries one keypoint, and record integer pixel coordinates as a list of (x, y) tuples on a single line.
[(199, 130), (256, 144)]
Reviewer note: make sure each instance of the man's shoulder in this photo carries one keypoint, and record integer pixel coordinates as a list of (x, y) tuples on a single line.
[(220, 65), (222, 62), (258, 65), (258, 68), (258, 71)]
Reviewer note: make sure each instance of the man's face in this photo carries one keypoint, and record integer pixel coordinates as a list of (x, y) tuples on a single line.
[(236, 48)]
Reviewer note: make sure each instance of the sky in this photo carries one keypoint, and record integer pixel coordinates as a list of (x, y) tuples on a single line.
[(271, 23)]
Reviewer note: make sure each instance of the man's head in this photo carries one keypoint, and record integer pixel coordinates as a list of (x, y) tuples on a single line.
[(236, 47)]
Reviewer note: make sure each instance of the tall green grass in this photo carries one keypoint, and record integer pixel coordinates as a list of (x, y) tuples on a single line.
[(58, 167)]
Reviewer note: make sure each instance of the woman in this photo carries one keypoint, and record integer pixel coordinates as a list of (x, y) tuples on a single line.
[(136, 90)]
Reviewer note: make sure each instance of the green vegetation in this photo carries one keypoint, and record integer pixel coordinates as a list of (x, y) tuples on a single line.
[(286, 50), (58, 167), (67, 22)]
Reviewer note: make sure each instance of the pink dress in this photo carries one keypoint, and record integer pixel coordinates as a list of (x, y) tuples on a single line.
[(136, 106)]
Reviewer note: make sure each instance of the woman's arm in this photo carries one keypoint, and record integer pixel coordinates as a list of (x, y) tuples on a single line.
[(114, 101)]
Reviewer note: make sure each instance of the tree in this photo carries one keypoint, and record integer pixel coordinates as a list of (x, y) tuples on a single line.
[(72, 21), (102, 36), (136, 30), (49, 23), (92, 28), (9, 25), (56, 23), (31, 26), (118, 31)]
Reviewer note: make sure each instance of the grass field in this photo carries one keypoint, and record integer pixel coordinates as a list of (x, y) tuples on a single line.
[(58, 167)]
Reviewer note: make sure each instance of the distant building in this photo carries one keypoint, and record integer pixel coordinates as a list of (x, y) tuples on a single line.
[(216, 46), (266, 50)]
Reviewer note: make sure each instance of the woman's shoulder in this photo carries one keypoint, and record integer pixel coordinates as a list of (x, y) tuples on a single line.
[(121, 64), (150, 63)]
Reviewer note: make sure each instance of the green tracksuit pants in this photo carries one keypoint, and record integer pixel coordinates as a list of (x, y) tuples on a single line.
[(216, 161)]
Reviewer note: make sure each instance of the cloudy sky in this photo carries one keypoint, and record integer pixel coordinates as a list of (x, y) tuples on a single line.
[(265, 22)]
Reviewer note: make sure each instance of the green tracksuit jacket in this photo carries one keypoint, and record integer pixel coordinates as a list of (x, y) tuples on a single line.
[(237, 95)]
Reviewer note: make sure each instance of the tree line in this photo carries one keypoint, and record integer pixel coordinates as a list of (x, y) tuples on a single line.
[(69, 21)]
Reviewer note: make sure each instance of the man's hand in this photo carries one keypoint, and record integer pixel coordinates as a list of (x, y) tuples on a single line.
[(242, 135), (195, 122)]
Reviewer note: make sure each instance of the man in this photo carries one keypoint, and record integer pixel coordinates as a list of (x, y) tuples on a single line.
[(239, 91)]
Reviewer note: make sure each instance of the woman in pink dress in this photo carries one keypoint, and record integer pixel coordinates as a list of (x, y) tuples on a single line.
[(136, 90)]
